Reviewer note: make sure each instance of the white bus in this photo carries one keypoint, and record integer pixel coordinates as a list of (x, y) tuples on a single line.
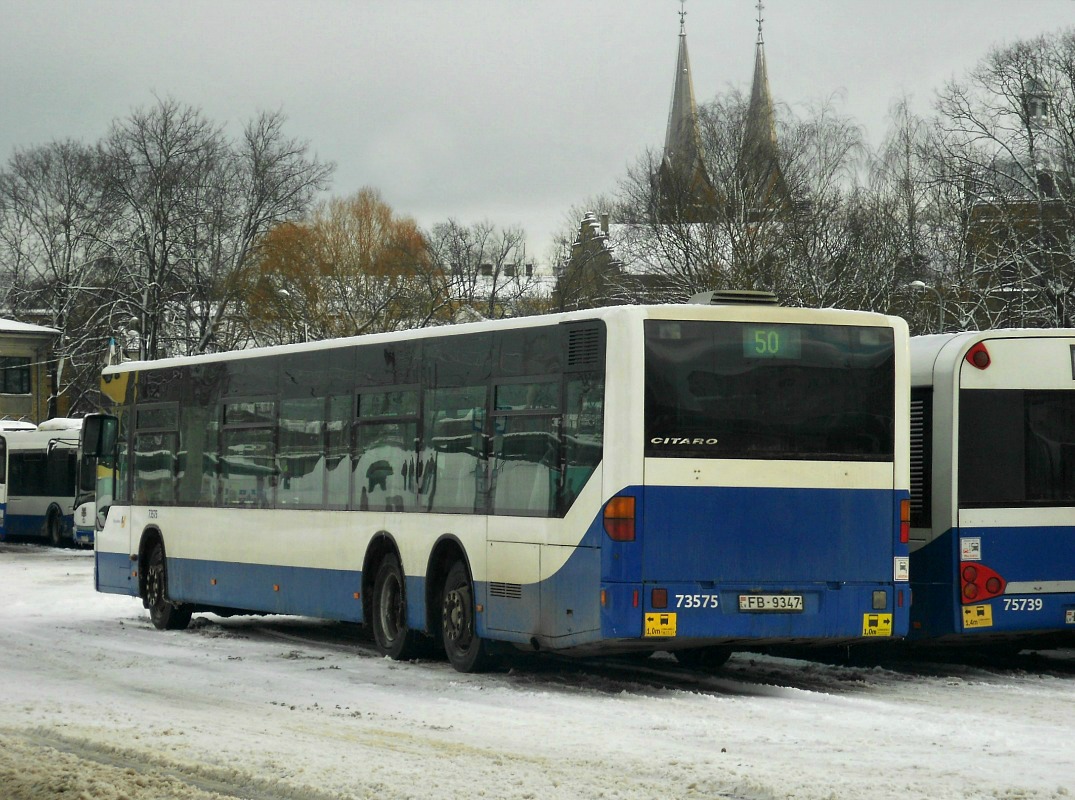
[(37, 481), (685, 478), (84, 514), (993, 486)]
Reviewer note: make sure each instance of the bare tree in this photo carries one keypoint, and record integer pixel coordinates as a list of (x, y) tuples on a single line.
[(55, 244), (1008, 138), (194, 205), (483, 270)]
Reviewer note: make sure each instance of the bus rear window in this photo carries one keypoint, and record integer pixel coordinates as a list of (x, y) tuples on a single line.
[(769, 391), (1016, 448)]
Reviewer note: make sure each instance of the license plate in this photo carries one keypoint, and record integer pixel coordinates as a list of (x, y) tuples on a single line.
[(770, 602)]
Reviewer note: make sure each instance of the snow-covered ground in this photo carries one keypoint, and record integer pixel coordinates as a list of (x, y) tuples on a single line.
[(97, 705)]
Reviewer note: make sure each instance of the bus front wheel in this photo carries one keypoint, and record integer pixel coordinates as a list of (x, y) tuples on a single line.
[(166, 615), (464, 648), (389, 612)]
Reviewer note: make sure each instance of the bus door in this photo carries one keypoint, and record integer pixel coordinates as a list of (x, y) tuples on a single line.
[(3, 487), (1015, 543), (104, 440)]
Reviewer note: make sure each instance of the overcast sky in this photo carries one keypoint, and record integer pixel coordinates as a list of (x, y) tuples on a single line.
[(507, 110)]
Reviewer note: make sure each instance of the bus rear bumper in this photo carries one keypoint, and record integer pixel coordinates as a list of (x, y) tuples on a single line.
[(717, 614)]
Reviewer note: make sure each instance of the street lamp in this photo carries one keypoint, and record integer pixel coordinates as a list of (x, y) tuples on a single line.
[(918, 286)]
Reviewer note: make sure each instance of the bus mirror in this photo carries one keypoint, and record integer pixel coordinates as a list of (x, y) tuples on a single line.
[(99, 434)]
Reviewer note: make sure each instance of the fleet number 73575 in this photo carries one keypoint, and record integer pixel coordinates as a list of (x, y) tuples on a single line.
[(696, 600)]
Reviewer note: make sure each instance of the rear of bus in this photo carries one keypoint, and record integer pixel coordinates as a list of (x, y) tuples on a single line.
[(775, 481), (1000, 565)]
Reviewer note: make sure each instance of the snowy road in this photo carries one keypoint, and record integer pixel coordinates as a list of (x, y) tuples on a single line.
[(99, 705)]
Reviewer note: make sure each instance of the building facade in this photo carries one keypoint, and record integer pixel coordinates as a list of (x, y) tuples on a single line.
[(25, 370)]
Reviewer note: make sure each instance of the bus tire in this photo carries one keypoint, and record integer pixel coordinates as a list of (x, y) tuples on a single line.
[(165, 615), (703, 658), (466, 651), (388, 615), (54, 528)]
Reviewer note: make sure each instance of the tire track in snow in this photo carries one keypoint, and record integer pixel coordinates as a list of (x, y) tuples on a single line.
[(44, 764)]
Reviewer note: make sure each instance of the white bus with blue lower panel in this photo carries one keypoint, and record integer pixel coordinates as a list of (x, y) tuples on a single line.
[(685, 478)]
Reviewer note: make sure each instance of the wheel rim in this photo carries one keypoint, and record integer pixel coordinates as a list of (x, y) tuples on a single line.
[(391, 608), (458, 631), (155, 581)]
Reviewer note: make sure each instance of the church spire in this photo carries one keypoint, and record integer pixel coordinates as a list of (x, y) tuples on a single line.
[(682, 141), (759, 161), (682, 172)]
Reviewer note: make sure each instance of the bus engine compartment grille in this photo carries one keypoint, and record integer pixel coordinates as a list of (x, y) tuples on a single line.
[(512, 591)]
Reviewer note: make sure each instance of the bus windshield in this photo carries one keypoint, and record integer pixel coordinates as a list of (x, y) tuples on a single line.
[(769, 391)]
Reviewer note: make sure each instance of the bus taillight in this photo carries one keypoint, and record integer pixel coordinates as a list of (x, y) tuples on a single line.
[(979, 583), (620, 519), (905, 521), (978, 356)]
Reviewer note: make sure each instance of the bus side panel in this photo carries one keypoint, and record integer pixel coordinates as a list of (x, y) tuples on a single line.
[(27, 517), (272, 589), (571, 598), (114, 573)]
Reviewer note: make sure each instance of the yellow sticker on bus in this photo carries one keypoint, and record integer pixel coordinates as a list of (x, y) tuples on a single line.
[(660, 625), (876, 624), (977, 616)]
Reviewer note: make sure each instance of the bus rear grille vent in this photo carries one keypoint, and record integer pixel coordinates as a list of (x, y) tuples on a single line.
[(512, 591), (735, 297), (918, 456), (583, 347)]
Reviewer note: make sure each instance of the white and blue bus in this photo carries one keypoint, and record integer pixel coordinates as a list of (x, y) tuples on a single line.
[(84, 512), (37, 481), (683, 478), (993, 486)]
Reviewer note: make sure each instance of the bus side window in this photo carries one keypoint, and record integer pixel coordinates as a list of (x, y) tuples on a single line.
[(584, 418), (154, 467), (338, 451), (196, 460), (27, 475), (247, 457), (525, 475), (386, 463), (123, 458), (451, 477), (302, 460), (156, 444)]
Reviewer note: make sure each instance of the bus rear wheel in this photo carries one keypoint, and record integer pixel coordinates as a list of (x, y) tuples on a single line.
[(706, 659), (466, 651), (165, 615), (389, 613), (54, 528)]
